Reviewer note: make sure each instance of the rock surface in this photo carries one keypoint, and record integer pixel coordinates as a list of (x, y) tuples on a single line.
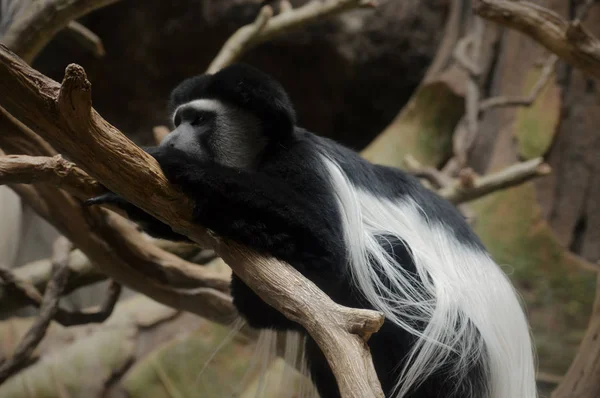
[(348, 75)]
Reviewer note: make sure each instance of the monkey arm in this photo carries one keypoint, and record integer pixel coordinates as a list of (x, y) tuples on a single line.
[(255, 209), (264, 213), (149, 224)]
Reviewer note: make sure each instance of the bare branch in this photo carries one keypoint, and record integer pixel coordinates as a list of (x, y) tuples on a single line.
[(22, 169), (48, 309), (497, 102), (265, 27), (468, 126), (114, 245), (88, 39), (105, 153), (431, 174), (461, 55), (22, 287), (569, 40), (83, 273), (41, 21), (470, 187), (240, 40)]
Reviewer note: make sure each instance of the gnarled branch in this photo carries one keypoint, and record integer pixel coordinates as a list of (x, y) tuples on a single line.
[(22, 169), (42, 20), (569, 40), (64, 115)]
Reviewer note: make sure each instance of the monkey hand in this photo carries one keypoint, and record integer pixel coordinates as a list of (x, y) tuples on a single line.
[(111, 198), (149, 224)]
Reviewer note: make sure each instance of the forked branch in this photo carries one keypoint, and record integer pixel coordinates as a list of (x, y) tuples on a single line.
[(470, 186), (42, 20), (569, 40), (265, 27), (64, 115)]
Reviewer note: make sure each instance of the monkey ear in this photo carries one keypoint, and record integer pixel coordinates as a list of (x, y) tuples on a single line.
[(257, 92)]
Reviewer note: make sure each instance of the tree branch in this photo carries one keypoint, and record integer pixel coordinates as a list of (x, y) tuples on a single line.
[(64, 115), (569, 40), (265, 27), (22, 169), (42, 20), (48, 309), (83, 273), (66, 318), (471, 187), (496, 102), (113, 244), (88, 39)]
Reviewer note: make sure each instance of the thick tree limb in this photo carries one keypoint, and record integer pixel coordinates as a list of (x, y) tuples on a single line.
[(63, 114), (30, 169), (569, 40), (114, 245), (471, 187), (266, 27), (42, 20)]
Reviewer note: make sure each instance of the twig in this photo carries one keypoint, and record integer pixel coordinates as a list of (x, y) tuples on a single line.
[(65, 317), (76, 129), (71, 318), (461, 55), (585, 8), (83, 273), (450, 36), (25, 289), (506, 178), (431, 174), (266, 26), (496, 102), (48, 309), (39, 23), (240, 40), (22, 169), (466, 130), (569, 40), (88, 39)]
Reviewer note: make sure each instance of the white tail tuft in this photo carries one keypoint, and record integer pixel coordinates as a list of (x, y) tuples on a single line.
[(469, 305)]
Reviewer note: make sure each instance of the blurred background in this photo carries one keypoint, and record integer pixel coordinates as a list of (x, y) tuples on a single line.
[(396, 82)]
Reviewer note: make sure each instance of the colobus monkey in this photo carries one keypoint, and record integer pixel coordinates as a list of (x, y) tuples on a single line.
[(369, 236)]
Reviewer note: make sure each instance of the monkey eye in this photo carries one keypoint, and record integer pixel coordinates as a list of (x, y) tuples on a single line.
[(197, 120)]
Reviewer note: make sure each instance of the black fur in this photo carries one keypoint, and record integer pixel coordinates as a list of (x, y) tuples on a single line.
[(285, 208), (247, 88)]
